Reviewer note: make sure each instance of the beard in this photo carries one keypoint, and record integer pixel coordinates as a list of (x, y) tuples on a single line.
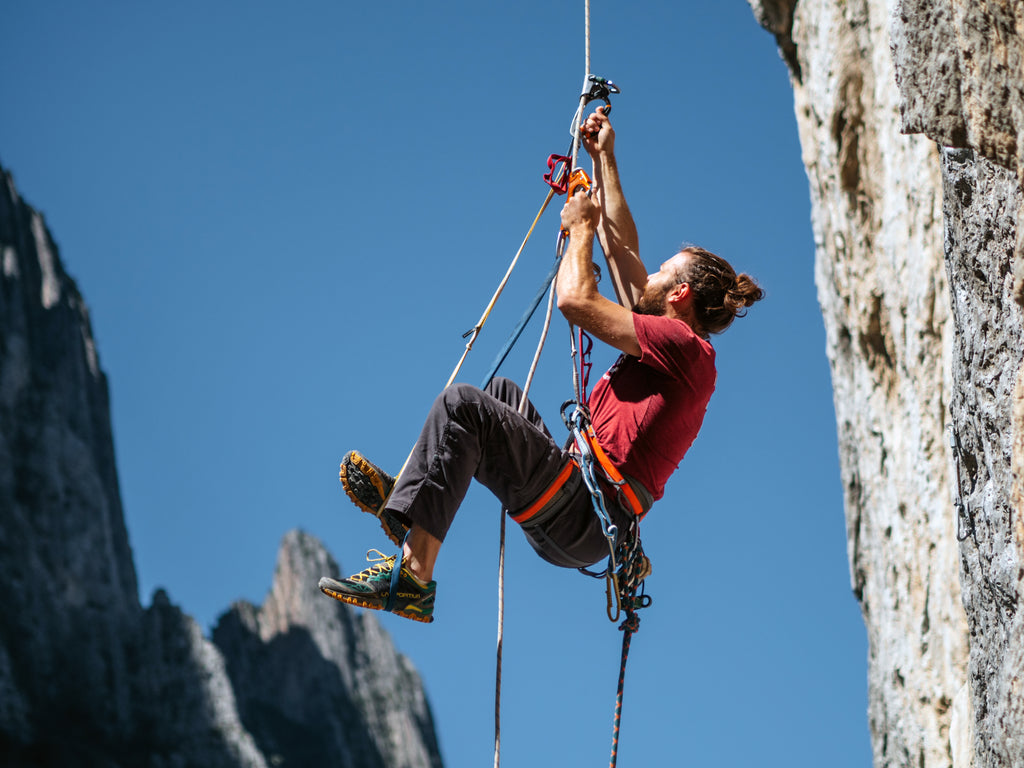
[(652, 302)]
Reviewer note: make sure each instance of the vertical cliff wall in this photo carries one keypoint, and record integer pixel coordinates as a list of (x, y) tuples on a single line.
[(88, 677), (65, 562), (909, 113), (960, 71)]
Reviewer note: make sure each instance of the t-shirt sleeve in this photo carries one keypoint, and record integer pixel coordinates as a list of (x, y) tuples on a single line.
[(671, 347)]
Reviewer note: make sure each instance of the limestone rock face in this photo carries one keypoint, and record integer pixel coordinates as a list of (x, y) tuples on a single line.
[(919, 275), (88, 677), (877, 222), (981, 203)]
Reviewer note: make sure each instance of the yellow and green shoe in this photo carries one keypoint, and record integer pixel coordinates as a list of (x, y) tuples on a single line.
[(368, 486), (383, 588)]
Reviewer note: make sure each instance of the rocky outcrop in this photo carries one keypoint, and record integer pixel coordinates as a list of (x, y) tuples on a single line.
[(65, 561), (298, 661), (909, 114), (88, 676), (981, 119), (981, 200)]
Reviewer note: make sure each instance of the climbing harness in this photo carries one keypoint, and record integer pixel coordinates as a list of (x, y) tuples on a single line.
[(530, 512), (598, 470)]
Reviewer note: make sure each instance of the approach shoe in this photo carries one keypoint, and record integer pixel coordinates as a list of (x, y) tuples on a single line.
[(369, 487), (380, 588)]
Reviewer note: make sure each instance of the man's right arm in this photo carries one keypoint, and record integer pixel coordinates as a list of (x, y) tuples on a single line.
[(616, 231)]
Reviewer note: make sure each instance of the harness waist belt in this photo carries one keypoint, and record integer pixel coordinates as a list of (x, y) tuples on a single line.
[(542, 500), (622, 488), (643, 497)]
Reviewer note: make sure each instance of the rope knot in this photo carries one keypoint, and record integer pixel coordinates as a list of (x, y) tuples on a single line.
[(632, 622)]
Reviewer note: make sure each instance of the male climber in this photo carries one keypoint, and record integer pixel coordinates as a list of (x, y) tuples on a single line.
[(646, 410)]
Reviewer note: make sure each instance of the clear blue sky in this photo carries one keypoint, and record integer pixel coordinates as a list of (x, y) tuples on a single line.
[(283, 217)]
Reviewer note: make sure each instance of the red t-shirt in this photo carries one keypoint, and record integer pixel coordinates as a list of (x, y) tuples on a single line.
[(647, 411)]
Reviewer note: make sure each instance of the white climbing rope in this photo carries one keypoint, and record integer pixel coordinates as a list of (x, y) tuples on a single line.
[(575, 129)]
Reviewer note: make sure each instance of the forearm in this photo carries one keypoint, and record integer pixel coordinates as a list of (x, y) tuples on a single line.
[(617, 233), (582, 303), (576, 283)]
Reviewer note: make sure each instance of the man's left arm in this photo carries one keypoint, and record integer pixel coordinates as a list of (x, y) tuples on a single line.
[(578, 296)]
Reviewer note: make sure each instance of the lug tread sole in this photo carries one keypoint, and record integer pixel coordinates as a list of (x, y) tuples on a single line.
[(371, 473), (352, 600)]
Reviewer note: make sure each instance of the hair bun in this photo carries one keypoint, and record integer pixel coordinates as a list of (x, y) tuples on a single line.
[(743, 293), (720, 295)]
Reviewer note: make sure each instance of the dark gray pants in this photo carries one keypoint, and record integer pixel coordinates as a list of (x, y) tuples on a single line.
[(473, 433)]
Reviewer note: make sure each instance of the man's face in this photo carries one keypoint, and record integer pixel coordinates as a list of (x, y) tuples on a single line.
[(654, 299)]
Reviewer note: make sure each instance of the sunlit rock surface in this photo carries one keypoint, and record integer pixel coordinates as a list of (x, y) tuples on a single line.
[(909, 113)]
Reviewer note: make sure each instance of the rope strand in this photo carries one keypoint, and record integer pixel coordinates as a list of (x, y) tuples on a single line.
[(501, 545), (501, 633), (586, 35), (577, 118)]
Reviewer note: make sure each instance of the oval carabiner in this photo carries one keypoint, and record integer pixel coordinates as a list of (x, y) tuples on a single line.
[(614, 601)]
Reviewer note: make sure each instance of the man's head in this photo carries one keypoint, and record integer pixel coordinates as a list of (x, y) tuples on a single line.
[(701, 289)]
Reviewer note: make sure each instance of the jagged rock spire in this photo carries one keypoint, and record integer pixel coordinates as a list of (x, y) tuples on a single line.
[(90, 677)]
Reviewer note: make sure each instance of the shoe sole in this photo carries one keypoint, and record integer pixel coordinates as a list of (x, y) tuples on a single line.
[(392, 527), (353, 600)]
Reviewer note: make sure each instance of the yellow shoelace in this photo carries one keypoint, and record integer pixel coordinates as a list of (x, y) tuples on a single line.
[(381, 564)]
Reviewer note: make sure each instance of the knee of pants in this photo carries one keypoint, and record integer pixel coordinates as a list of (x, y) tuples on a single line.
[(499, 384), (458, 394), (505, 390)]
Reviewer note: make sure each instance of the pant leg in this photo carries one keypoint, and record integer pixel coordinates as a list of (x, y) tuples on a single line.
[(573, 536), (508, 392), (470, 433)]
